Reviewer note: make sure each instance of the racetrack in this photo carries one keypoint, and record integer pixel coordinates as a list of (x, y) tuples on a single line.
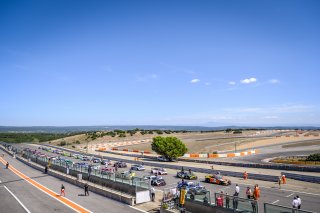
[(37, 200), (308, 192)]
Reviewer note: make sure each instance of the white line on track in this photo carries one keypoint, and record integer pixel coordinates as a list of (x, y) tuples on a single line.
[(275, 202), (290, 195), (15, 197), (137, 209)]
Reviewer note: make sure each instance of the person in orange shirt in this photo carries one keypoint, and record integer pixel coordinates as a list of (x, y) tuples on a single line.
[(256, 192), (284, 181), (245, 175)]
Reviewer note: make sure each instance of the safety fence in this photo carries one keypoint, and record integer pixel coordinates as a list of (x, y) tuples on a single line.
[(63, 166)]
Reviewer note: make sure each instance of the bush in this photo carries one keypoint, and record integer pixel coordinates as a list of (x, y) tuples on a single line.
[(63, 143), (313, 157)]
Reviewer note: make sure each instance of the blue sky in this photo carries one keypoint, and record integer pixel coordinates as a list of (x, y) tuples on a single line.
[(159, 62)]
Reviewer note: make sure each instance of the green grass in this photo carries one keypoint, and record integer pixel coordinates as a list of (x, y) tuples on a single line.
[(30, 137)]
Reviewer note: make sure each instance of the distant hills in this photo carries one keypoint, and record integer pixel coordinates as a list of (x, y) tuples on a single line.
[(66, 129)]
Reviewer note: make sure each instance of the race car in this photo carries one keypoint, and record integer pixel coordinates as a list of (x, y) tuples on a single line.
[(197, 189), (125, 175), (107, 171), (217, 179), (120, 164), (187, 175), (159, 171)]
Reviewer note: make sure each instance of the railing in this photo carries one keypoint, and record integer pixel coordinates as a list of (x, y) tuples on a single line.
[(272, 208), (113, 176), (201, 197), (236, 203)]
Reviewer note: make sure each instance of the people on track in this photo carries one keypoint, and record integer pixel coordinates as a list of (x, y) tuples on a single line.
[(299, 202), (245, 175), (279, 182), (7, 165), (86, 189), (248, 192), (284, 180), (153, 193), (237, 190), (62, 190), (295, 203), (256, 192)]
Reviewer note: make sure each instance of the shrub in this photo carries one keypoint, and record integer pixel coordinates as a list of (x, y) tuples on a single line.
[(63, 143), (313, 157)]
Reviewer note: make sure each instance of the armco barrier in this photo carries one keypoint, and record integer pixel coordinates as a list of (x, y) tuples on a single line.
[(307, 178)]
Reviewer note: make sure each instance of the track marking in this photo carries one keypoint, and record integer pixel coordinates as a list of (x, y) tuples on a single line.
[(76, 207), (275, 202), (15, 197), (290, 195)]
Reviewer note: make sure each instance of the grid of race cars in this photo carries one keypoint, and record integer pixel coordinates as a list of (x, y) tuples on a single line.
[(158, 176)]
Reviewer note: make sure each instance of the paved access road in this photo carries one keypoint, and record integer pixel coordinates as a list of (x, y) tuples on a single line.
[(34, 198), (309, 192)]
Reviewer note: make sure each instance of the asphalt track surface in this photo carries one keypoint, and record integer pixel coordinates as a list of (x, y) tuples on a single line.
[(272, 151), (269, 193), (36, 200)]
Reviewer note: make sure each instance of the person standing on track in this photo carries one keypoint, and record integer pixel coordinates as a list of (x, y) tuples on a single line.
[(7, 165), (295, 204), (299, 201), (245, 175), (62, 191), (153, 193), (279, 182), (86, 189), (237, 191), (248, 192)]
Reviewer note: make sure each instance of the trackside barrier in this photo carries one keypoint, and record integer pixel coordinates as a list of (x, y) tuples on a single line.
[(308, 178)]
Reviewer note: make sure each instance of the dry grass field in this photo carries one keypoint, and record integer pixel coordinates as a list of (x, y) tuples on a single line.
[(198, 142)]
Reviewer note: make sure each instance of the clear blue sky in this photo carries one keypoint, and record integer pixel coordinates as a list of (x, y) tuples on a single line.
[(159, 62)]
